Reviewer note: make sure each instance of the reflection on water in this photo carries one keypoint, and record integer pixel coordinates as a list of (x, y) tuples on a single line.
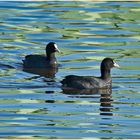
[(106, 107), (32, 103), (49, 72), (103, 94)]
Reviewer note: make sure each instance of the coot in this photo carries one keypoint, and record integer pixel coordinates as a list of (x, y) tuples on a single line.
[(42, 61), (91, 82)]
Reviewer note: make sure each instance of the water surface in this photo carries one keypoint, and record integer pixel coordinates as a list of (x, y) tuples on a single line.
[(35, 106)]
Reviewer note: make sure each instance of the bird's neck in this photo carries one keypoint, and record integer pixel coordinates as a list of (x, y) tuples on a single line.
[(51, 56), (105, 73)]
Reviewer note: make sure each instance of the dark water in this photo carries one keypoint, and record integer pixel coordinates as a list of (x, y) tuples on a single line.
[(33, 106)]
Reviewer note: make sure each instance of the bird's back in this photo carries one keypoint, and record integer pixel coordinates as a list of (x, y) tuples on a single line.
[(37, 61), (85, 82)]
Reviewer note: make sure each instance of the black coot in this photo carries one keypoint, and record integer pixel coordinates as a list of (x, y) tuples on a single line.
[(91, 82), (42, 61)]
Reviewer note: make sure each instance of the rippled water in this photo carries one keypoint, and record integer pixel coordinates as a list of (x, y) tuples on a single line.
[(34, 106)]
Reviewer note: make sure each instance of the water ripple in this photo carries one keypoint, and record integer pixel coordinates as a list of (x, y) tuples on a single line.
[(33, 106)]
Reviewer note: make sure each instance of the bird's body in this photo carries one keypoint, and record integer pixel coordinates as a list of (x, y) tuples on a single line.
[(85, 82), (42, 61), (91, 82), (39, 61)]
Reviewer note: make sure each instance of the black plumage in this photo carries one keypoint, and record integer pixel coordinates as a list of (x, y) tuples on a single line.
[(91, 82), (42, 61)]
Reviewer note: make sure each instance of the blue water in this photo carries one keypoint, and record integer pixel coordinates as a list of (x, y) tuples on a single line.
[(34, 106)]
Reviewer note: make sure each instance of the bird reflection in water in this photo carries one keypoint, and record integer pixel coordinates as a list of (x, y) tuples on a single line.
[(105, 102), (46, 72), (103, 94)]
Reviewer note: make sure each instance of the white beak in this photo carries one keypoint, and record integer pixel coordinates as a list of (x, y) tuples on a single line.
[(116, 65), (57, 48)]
